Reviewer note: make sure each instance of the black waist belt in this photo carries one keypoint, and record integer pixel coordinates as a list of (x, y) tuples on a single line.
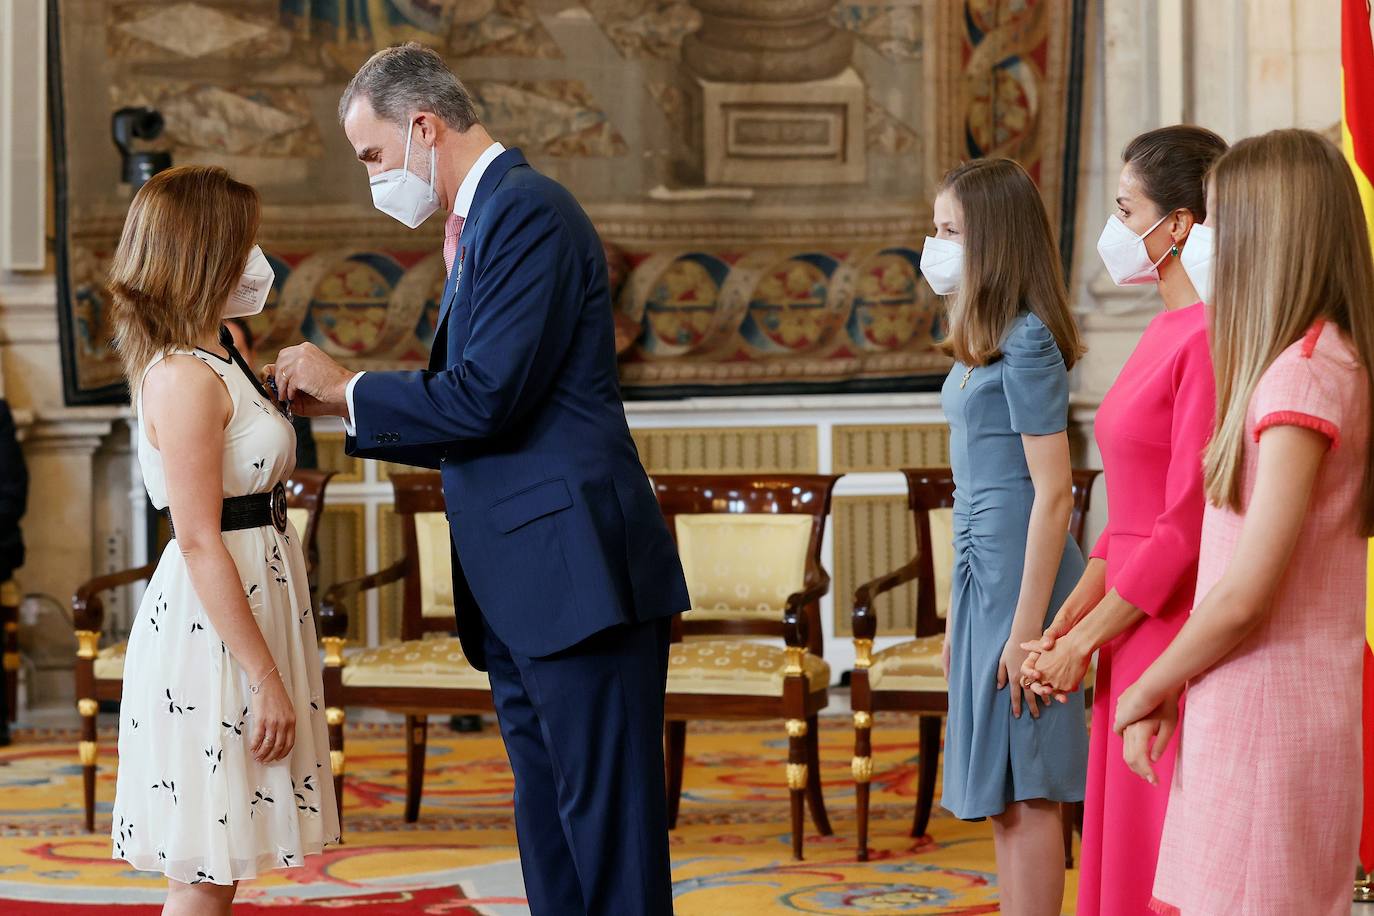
[(256, 510)]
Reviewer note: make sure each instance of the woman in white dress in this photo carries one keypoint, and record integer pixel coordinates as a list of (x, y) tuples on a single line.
[(223, 749)]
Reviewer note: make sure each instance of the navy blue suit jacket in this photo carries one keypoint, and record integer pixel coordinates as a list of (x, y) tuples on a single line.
[(556, 530)]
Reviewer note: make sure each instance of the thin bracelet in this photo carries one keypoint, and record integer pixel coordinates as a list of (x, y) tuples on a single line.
[(254, 688)]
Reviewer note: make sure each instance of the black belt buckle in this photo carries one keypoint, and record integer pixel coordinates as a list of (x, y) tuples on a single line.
[(278, 505)]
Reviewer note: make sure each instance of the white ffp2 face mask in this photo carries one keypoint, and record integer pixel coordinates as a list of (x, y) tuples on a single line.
[(942, 264), (403, 195), (1125, 255), (250, 296), (1197, 259)]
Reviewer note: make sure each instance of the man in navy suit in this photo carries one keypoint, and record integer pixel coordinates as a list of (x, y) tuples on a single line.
[(565, 575)]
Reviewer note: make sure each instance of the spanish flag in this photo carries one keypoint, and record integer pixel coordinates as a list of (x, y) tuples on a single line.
[(1357, 139)]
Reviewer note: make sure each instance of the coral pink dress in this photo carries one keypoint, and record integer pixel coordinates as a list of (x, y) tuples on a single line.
[(1264, 818), (1151, 429)]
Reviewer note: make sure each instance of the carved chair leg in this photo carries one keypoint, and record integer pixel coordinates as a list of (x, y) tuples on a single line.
[(929, 767), (334, 717), (815, 799), (416, 730), (1072, 813), (796, 781), (675, 737), (86, 750), (862, 766)]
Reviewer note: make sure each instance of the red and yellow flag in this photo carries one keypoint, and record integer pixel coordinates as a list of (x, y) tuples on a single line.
[(1357, 139)]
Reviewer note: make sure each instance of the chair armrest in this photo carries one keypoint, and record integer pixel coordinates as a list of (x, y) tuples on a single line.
[(865, 625), (88, 611), (333, 611), (794, 622)]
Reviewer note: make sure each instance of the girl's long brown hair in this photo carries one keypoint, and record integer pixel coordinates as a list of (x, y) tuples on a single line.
[(185, 243), (1292, 246), (1010, 263)]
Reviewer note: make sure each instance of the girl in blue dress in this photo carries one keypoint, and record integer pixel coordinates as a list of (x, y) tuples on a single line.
[(1008, 755)]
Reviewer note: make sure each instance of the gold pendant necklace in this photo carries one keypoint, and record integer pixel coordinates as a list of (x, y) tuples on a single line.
[(967, 375)]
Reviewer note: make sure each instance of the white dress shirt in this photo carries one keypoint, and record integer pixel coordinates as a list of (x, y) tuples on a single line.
[(462, 203)]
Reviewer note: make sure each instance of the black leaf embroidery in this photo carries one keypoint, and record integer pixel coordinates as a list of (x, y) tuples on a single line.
[(202, 876), (196, 625), (161, 856), (133, 722), (174, 707), (225, 820), (262, 795), (216, 757), (124, 831), (261, 462), (287, 858), (170, 786), (251, 590), (238, 727)]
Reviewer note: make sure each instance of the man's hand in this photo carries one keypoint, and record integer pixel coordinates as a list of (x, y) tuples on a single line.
[(311, 381)]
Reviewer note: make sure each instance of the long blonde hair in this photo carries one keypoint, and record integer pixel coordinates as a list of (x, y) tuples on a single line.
[(1292, 246), (185, 243), (1010, 263)]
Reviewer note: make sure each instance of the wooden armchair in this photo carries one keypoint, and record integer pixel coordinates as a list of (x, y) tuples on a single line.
[(751, 550), (427, 671), (100, 672), (909, 676)]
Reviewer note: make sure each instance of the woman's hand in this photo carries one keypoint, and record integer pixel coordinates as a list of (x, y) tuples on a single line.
[(1146, 738), (1060, 670), (1135, 703), (944, 657), (1009, 674), (274, 721)]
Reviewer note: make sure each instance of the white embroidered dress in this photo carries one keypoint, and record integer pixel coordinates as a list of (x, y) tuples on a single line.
[(190, 800)]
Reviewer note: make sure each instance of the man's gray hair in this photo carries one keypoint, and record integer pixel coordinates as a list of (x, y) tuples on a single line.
[(404, 79)]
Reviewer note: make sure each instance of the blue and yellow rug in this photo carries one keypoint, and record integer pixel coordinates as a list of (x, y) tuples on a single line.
[(731, 851)]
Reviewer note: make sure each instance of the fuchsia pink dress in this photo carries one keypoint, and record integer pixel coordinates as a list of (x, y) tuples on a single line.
[(1151, 430), (1264, 818)]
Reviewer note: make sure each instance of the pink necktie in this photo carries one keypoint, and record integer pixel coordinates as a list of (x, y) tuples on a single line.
[(452, 229)]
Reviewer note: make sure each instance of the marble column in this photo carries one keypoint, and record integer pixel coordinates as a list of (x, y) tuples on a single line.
[(779, 102), (60, 534)]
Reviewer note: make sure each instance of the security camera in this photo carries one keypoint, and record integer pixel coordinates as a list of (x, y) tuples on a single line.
[(128, 125)]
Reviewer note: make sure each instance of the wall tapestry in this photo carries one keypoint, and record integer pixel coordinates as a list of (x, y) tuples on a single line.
[(761, 180)]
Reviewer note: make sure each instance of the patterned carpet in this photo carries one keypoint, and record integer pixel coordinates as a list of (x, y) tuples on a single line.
[(731, 852)]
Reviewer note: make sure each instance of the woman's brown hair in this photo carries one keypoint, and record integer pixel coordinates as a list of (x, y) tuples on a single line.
[(1292, 247), (185, 243), (1010, 263), (1171, 162)]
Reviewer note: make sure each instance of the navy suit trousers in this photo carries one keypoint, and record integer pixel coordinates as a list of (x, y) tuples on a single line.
[(584, 731)]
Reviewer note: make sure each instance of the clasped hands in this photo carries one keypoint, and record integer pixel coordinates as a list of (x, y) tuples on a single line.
[(1146, 720)]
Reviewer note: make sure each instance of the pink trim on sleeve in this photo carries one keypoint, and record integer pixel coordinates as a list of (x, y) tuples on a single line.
[(1164, 909), (1298, 418), (1309, 340)]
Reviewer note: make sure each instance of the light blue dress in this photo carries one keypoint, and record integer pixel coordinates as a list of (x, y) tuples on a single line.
[(991, 758)]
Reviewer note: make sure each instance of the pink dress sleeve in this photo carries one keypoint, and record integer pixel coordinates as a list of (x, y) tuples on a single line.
[(1104, 541), (1293, 392), (1167, 559)]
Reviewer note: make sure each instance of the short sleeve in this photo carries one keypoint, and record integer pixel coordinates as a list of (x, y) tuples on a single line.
[(1035, 379), (1297, 390)]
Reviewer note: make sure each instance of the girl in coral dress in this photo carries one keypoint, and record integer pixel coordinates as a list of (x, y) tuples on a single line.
[(1138, 585), (1264, 817)]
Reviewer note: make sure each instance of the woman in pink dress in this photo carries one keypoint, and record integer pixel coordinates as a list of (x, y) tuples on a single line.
[(1264, 817), (1138, 586)]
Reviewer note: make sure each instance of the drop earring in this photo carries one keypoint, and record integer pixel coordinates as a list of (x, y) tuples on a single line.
[(1173, 252)]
